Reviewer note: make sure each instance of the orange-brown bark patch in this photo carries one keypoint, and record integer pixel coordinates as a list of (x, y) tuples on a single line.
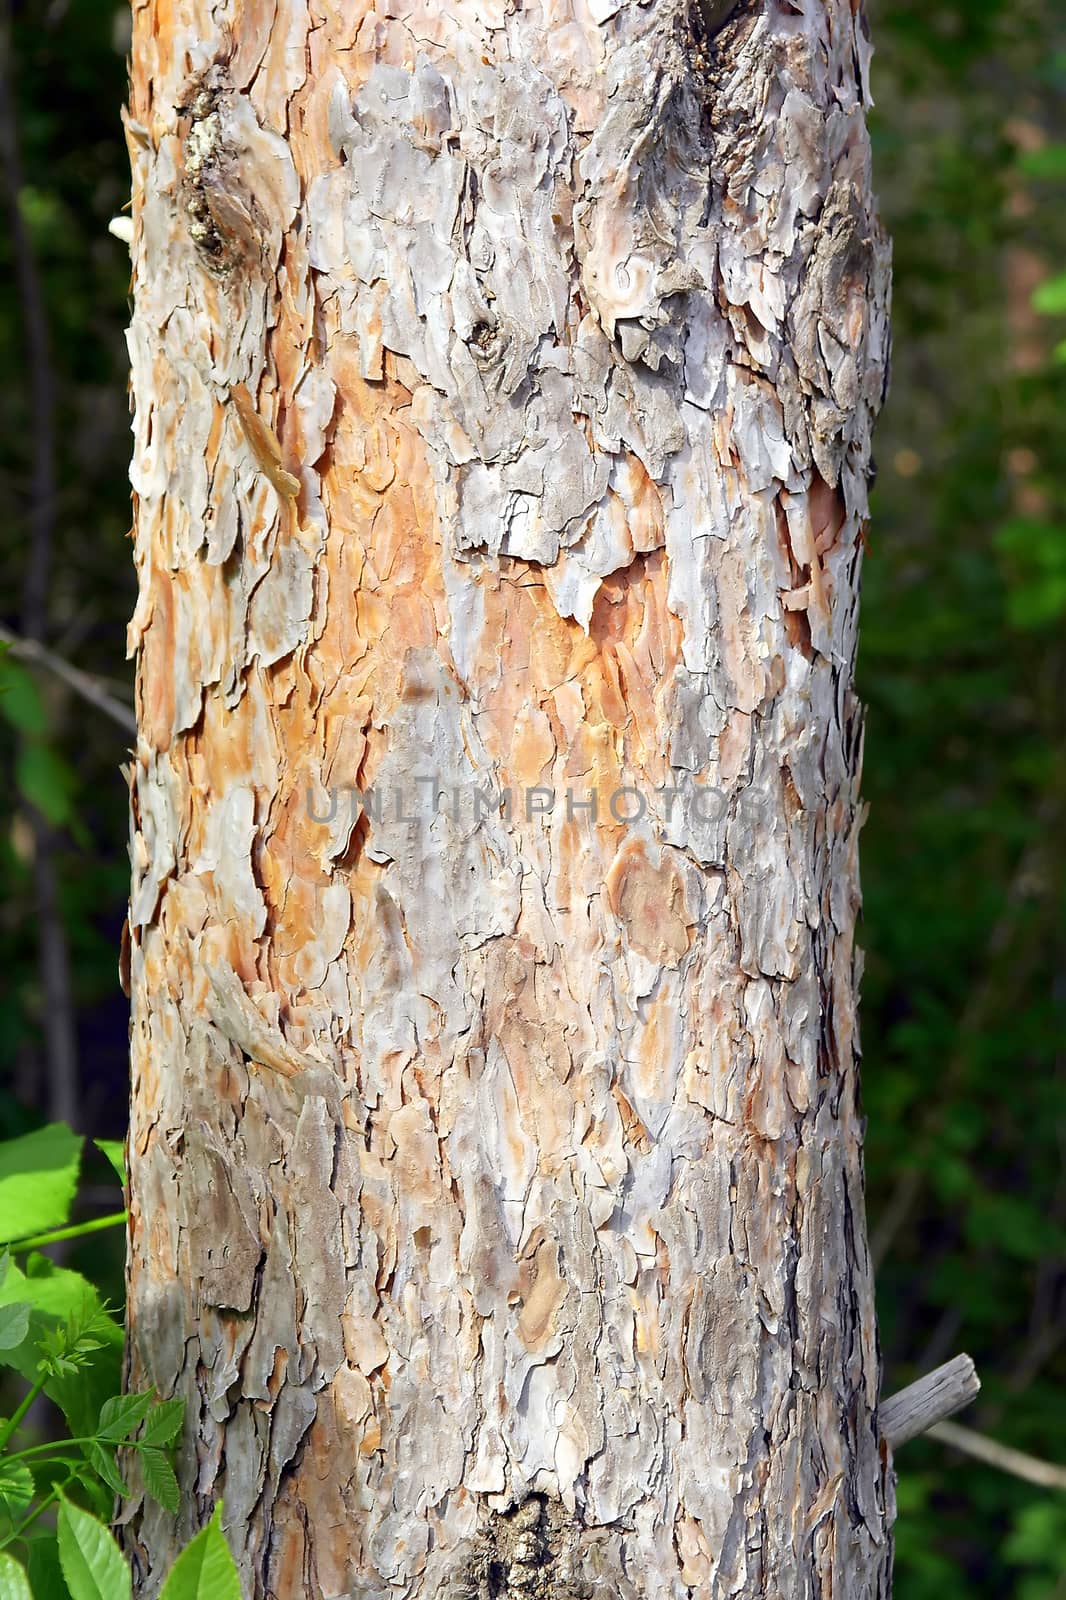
[(649, 901), (544, 1299)]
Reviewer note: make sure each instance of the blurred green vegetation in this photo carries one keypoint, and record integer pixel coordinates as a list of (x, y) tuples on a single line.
[(962, 666)]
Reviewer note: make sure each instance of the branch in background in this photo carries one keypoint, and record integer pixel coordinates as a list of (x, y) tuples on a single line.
[(1020, 1465), (920, 1406), (88, 687), (57, 1018)]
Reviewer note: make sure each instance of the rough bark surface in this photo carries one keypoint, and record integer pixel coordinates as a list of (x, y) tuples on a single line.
[(504, 379)]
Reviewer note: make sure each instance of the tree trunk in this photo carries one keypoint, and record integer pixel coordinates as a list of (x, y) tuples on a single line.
[(504, 380)]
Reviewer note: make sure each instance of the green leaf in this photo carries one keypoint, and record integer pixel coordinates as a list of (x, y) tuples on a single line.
[(102, 1459), (1036, 594), (14, 1584), (16, 1488), (91, 1560), (1025, 535), (1035, 605), (14, 1324), (20, 701), (115, 1152), (1050, 162), (120, 1415), (46, 1575), (69, 1346), (1038, 1533), (1050, 296), (159, 1478), (164, 1422), (57, 1295), (205, 1570), (46, 781), (38, 1177)]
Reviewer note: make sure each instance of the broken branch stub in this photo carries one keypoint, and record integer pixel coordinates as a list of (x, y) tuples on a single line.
[(921, 1405)]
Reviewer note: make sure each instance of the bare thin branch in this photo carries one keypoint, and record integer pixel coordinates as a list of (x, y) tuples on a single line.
[(1045, 1474), (89, 688)]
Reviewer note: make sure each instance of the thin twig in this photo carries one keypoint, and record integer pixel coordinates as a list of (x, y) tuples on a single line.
[(1045, 1474), (89, 688), (76, 1231)]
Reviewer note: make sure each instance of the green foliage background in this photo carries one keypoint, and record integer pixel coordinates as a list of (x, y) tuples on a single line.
[(962, 666)]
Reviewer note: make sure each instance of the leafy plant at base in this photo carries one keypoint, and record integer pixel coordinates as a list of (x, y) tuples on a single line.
[(94, 1569), (205, 1570), (60, 1336)]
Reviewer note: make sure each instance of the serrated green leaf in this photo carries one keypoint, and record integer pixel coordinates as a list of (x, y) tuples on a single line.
[(71, 1345), (16, 1488), (205, 1570), (57, 1293), (163, 1423), (102, 1459), (115, 1152), (38, 1177), (159, 1478), (46, 781), (120, 1415), (14, 1324), (91, 1560), (14, 1584)]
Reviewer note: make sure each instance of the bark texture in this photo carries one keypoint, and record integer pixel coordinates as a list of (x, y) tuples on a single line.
[(504, 379)]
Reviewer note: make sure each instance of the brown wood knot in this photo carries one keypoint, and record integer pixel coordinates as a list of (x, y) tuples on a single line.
[(531, 1552), (714, 26), (485, 340)]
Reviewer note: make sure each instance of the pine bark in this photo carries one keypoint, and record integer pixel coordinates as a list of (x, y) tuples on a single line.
[(504, 379)]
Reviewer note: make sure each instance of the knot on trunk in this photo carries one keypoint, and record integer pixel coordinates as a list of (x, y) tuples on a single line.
[(531, 1552), (239, 184)]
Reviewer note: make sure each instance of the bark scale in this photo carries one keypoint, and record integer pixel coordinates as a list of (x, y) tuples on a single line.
[(504, 380)]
